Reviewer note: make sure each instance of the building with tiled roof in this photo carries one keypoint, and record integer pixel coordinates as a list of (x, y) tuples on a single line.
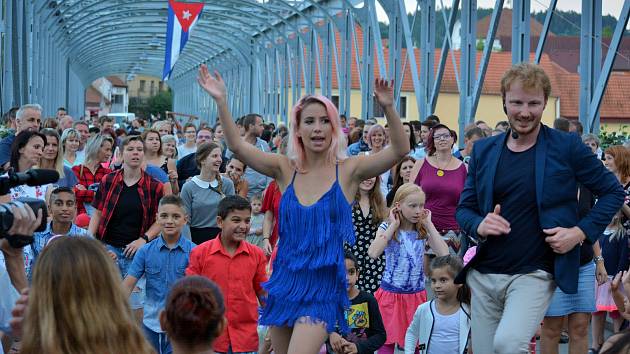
[(564, 100)]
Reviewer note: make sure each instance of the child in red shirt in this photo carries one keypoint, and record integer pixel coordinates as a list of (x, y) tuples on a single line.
[(238, 267)]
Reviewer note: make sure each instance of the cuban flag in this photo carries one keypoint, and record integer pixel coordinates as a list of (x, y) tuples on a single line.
[(182, 17)]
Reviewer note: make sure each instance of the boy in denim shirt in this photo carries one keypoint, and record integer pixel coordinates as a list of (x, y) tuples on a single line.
[(162, 261)]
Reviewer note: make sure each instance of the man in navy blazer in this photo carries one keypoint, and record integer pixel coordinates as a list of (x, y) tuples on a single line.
[(520, 202)]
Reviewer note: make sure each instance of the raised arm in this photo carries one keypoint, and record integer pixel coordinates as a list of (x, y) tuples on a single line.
[(265, 163), (373, 165)]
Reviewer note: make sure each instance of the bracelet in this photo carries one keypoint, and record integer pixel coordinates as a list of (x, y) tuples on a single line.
[(265, 237), (598, 259)]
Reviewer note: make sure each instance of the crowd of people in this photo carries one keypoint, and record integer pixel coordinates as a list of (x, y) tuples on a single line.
[(330, 235)]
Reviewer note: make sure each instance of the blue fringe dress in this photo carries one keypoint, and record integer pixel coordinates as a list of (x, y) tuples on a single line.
[(309, 274)]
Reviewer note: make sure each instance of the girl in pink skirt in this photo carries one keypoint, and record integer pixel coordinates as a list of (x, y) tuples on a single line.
[(614, 245), (403, 239)]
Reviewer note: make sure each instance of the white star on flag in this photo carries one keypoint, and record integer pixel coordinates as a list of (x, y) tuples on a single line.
[(186, 15)]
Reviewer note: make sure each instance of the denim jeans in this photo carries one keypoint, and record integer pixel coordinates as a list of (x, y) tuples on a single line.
[(159, 341), (136, 300)]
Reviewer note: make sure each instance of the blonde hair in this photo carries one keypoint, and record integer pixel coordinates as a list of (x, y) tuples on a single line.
[(77, 305), (531, 76), (616, 226), (337, 149), (403, 192)]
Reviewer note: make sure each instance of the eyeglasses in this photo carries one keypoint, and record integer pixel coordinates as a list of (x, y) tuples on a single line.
[(442, 137)]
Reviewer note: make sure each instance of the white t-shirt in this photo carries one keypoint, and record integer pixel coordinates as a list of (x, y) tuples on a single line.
[(445, 336), (182, 150)]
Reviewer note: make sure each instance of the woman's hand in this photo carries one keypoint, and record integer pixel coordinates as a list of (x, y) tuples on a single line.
[(213, 85), (172, 175), (600, 273), (384, 92)]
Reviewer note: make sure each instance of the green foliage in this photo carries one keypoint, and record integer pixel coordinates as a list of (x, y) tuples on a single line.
[(607, 139), (607, 32), (159, 103)]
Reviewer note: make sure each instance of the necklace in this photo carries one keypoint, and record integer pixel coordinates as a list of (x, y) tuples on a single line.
[(440, 171)]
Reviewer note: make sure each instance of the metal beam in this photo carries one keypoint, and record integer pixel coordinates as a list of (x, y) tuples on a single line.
[(545, 31), (467, 63), (520, 30), (598, 94), (446, 47), (590, 60), (485, 59), (427, 48)]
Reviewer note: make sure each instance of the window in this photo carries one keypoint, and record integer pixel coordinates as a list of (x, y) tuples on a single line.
[(117, 99), (161, 86), (402, 108), (152, 87), (143, 85), (335, 100)]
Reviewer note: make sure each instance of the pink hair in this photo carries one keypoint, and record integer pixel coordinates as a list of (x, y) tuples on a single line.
[(337, 149)]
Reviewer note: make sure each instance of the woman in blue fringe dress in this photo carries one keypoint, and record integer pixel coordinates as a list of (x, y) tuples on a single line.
[(306, 294)]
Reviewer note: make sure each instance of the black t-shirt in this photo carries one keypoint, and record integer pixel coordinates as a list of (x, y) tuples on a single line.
[(524, 249), (126, 222), (586, 201), (366, 324)]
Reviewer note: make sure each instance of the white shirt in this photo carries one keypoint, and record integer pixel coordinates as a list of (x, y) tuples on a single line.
[(445, 336)]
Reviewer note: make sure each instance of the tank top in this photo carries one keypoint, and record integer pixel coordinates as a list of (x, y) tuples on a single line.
[(309, 277), (442, 193)]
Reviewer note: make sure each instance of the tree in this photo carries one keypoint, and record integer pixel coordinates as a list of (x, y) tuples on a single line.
[(160, 103)]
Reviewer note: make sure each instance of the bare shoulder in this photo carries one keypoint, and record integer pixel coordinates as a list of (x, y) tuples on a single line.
[(287, 170)]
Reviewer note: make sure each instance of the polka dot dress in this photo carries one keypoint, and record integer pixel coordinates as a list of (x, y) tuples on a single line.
[(370, 271)]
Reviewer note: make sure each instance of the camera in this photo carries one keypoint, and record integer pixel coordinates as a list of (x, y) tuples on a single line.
[(33, 177), (6, 221)]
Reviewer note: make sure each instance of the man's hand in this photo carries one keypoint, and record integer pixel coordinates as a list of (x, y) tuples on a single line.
[(24, 221), (562, 240), (132, 248), (494, 224)]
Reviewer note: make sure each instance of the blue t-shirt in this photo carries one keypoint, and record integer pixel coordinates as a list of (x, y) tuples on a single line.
[(157, 173), (162, 267), (524, 249)]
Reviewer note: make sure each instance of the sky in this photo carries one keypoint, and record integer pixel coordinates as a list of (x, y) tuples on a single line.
[(609, 7)]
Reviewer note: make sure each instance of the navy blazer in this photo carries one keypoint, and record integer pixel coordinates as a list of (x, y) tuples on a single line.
[(562, 160)]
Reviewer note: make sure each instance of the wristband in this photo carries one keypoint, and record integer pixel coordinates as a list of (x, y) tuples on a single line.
[(265, 237)]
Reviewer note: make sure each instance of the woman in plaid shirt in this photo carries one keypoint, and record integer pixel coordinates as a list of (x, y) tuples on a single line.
[(97, 150)]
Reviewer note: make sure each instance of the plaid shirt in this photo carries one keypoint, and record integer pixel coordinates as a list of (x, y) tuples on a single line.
[(106, 199), (87, 178)]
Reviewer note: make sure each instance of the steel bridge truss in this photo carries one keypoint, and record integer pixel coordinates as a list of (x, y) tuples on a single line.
[(272, 52)]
